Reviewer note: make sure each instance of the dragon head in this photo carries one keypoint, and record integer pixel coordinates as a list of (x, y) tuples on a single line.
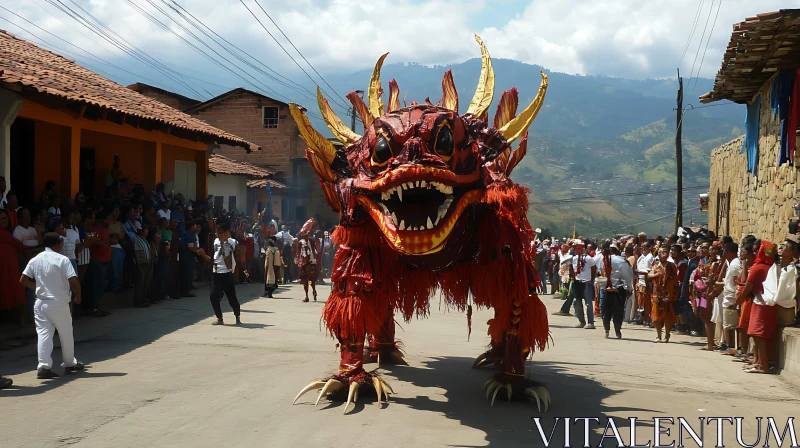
[(418, 168)]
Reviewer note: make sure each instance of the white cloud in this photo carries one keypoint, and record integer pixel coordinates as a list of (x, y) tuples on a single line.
[(627, 38)]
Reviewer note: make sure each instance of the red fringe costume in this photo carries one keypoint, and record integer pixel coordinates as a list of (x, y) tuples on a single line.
[(500, 277), (482, 248)]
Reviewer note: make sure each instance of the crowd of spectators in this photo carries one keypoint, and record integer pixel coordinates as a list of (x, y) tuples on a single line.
[(735, 295), (149, 245)]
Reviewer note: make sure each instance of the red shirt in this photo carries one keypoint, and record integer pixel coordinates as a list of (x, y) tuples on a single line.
[(757, 275), (101, 253), (249, 249)]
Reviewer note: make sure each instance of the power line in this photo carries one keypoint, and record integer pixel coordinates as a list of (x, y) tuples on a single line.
[(336, 94), (58, 4), (138, 8), (107, 31), (88, 53), (660, 218), (701, 39), (694, 27), (719, 6), (299, 89), (334, 98), (638, 193), (231, 44), (89, 38)]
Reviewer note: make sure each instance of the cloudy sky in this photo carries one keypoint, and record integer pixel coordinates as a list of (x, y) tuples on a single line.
[(621, 38)]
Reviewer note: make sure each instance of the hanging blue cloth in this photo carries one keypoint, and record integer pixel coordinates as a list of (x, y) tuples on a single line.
[(782, 88), (751, 125)]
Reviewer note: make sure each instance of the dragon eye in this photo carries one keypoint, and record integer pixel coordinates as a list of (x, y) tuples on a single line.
[(444, 143), (382, 153)]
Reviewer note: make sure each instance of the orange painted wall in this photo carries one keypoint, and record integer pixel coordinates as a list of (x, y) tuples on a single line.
[(48, 141), (169, 154), (132, 155)]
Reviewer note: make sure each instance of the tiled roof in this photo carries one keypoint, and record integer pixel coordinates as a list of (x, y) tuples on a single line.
[(29, 69), (237, 91), (262, 183), (759, 47), (139, 86), (220, 164)]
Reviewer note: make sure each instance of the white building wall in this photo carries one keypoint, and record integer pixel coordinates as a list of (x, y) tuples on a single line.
[(226, 185)]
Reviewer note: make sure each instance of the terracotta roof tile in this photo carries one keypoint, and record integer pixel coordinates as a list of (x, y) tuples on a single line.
[(223, 165), (33, 68), (262, 183)]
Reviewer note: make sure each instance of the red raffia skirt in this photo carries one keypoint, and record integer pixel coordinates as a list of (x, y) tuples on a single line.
[(308, 272), (763, 321)]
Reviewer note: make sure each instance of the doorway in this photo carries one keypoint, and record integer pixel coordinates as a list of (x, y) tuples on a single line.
[(22, 162), (86, 175)]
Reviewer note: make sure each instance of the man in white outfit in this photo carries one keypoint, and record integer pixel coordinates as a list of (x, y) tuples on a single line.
[(52, 276)]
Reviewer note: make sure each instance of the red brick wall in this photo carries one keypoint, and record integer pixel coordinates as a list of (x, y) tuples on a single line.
[(240, 116)]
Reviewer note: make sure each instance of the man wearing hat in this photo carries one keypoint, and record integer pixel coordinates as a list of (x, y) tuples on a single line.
[(582, 271)]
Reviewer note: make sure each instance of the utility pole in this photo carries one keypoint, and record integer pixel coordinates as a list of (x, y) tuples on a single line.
[(679, 154), (353, 112)]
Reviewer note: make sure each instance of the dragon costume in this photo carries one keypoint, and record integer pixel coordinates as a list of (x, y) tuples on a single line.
[(426, 205)]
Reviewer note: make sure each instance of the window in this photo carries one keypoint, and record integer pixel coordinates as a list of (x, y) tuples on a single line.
[(270, 117)]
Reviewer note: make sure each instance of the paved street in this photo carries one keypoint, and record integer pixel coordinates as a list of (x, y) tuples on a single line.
[(164, 377)]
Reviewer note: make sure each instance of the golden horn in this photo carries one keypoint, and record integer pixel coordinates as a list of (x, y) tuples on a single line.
[(516, 127), (320, 152), (485, 91), (375, 90), (339, 129)]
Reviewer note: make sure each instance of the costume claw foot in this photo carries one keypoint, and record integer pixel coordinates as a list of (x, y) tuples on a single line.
[(539, 393), (339, 383), (494, 387), (392, 357), (486, 359)]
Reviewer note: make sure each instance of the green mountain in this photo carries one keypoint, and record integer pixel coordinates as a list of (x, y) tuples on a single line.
[(609, 138)]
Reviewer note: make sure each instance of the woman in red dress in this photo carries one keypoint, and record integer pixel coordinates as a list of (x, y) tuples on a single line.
[(12, 294), (763, 318)]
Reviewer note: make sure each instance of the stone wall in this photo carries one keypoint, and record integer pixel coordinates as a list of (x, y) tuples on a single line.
[(760, 204)]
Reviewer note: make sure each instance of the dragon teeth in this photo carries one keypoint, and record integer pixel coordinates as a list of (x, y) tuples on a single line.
[(394, 218), (430, 223), (400, 194), (402, 225)]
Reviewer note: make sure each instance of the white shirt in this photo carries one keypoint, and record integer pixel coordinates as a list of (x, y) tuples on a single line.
[(29, 236), (220, 252), (598, 261), (51, 271), (621, 273), (730, 288), (644, 265), (164, 214), (586, 273), (71, 240)]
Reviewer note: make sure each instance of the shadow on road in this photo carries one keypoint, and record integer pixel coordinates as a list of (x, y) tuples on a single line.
[(125, 330), (21, 391), (510, 424)]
